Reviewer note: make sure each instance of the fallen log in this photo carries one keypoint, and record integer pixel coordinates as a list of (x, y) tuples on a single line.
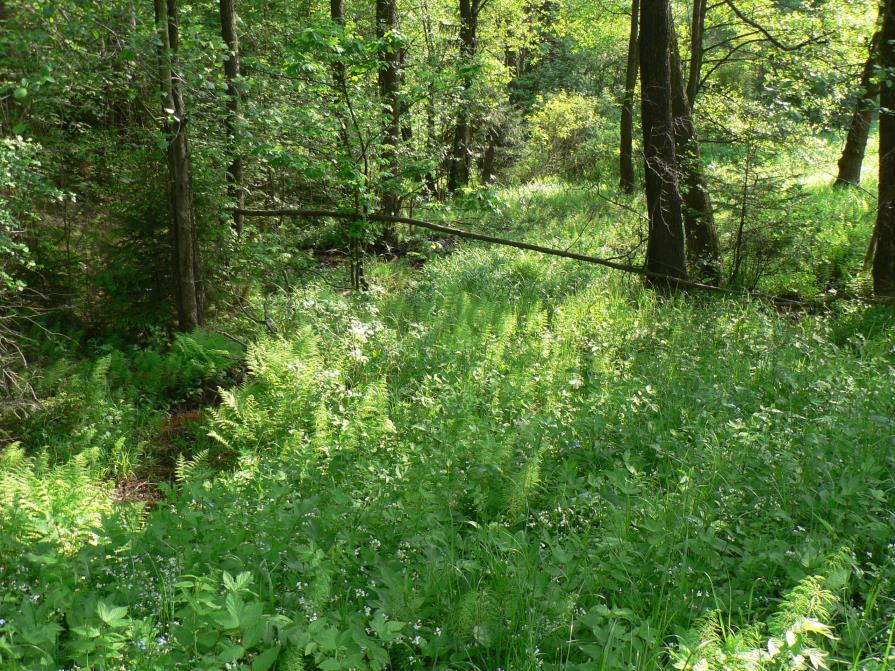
[(624, 267)]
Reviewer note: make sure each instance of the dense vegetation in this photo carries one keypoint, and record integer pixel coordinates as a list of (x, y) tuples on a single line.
[(255, 413)]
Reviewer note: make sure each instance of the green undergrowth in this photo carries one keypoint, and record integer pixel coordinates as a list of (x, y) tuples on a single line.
[(499, 461), (101, 421)]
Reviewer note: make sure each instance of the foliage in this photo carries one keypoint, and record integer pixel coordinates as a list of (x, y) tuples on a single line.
[(791, 640), (439, 475), (22, 184), (570, 133), (489, 459), (113, 408)]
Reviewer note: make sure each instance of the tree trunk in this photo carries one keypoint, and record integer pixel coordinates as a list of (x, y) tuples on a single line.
[(489, 172), (431, 178), (458, 172), (405, 106), (461, 148), (665, 244), (884, 258), (703, 247), (234, 100), (187, 273), (626, 149), (389, 88), (856, 141), (497, 132), (431, 139), (337, 16), (697, 33)]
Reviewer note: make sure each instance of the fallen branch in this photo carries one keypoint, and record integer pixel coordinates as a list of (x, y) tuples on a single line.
[(469, 235)]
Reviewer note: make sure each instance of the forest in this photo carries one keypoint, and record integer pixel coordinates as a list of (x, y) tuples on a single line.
[(447, 335)]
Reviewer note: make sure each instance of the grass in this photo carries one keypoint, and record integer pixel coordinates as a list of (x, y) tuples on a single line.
[(499, 461)]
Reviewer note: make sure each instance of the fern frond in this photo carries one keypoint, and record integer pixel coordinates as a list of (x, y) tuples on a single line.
[(187, 469)]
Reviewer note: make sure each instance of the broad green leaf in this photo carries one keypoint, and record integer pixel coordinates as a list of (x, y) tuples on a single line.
[(266, 659)]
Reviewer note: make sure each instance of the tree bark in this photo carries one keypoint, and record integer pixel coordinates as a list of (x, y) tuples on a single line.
[(697, 34), (856, 141), (626, 148), (461, 148), (389, 90), (234, 102), (703, 246), (665, 244), (884, 258), (187, 273)]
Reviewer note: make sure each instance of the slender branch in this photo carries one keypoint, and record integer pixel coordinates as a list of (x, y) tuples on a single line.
[(624, 267), (773, 40), (481, 237)]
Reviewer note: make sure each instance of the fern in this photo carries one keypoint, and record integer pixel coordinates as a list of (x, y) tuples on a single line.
[(186, 470), (794, 633), (292, 659), (98, 385), (61, 504)]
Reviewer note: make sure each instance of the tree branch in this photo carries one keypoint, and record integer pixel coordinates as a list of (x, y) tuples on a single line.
[(773, 40), (481, 237)]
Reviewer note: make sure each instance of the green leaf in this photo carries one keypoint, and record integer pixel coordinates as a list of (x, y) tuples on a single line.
[(266, 659), (111, 615), (239, 583), (593, 651), (226, 620), (235, 607), (328, 639), (20, 93), (387, 631), (232, 653)]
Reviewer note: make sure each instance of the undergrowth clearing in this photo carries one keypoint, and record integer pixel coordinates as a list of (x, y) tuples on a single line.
[(498, 461)]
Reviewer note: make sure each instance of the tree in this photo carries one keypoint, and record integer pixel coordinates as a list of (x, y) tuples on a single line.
[(337, 16), (703, 246), (187, 273), (458, 168), (626, 150), (389, 93), (697, 51), (884, 258), (234, 100), (665, 244), (496, 129), (856, 141), (337, 11)]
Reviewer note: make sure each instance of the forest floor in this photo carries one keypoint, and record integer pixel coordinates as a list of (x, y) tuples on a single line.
[(496, 460)]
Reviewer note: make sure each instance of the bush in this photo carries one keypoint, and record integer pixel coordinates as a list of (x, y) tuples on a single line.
[(570, 136)]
